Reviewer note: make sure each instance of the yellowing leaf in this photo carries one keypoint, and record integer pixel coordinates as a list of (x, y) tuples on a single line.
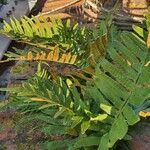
[(53, 55), (100, 117), (69, 82), (129, 63), (73, 59), (56, 54), (42, 55), (50, 56), (62, 59), (39, 99), (144, 114), (68, 56), (20, 58), (29, 56), (147, 64), (106, 108), (37, 56), (148, 39)]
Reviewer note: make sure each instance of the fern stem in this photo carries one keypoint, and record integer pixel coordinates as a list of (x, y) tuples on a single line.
[(36, 45)]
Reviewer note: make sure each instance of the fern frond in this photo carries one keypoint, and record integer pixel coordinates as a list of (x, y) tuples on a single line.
[(28, 27), (52, 56), (39, 32), (124, 73)]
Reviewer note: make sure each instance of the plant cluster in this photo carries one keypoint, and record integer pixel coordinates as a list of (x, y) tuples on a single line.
[(87, 106)]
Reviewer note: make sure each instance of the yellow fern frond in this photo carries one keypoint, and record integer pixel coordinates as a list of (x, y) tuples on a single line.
[(52, 56)]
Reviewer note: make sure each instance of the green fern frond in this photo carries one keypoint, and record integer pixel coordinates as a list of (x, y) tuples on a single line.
[(29, 27), (121, 82), (41, 33)]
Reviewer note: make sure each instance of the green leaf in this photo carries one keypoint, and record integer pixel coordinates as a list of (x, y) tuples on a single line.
[(87, 142), (102, 28), (7, 27), (13, 25), (61, 110), (46, 106), (138, 30), (104, 142), (75, 120), (75, 26), (118, 130), (53, 145), (68, 23), (130, 115), (85, 126), (54, 130)]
